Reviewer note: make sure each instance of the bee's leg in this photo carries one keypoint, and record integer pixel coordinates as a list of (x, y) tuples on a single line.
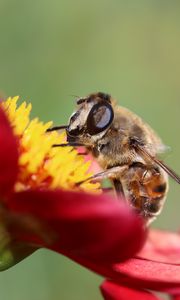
[(110, 173), (74, 144), (118, 188), (56, 128)]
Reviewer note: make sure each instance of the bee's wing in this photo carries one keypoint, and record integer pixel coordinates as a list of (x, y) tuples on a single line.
[(141, 149)]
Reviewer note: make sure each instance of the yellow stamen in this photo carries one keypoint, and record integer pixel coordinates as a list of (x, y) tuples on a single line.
[(40, 165)]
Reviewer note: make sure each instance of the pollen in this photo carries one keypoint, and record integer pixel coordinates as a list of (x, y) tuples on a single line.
[(41, 165)]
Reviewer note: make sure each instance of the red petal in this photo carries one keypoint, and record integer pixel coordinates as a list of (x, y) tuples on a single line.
[(113, 291), (141, 274), (147, 272), (149, 275), (162, 246), (79, 224), (8, 155)]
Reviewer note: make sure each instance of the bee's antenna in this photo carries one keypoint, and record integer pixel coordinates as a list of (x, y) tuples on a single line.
[(56, 128), (79, 100), (68, 145)]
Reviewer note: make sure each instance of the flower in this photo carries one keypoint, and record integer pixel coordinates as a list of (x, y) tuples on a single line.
[(42, 206), (40, 165), (113, 291), (156, 267)]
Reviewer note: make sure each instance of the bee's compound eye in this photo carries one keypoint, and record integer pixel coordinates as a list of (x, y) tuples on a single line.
[(99, 118)]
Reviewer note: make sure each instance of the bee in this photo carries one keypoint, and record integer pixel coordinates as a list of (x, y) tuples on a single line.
[(126, 148)]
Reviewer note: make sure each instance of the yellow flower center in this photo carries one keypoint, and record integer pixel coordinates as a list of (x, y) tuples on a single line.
[(41, 165)]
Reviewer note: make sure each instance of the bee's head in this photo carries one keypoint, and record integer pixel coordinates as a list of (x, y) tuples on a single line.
[(92, 118)]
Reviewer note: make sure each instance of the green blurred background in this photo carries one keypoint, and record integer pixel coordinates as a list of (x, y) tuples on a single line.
[(50, 50)]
